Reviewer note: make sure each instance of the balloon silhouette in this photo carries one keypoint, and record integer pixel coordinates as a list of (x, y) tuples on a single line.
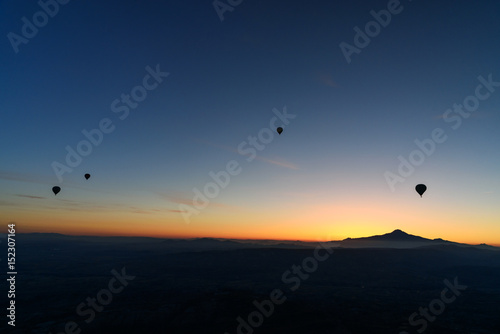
[(87, 176), (280, 130), (420, 188), (56, 190)]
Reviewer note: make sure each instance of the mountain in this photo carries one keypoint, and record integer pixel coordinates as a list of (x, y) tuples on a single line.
[(396, 235), (401, 239), (396, 239)]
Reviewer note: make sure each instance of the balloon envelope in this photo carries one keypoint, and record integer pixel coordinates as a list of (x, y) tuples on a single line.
[(56, 190), (87, 176), (280, 130), (420, 188)]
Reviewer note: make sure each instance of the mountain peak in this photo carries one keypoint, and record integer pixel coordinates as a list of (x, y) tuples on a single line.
[(401, 235), (396, 235)]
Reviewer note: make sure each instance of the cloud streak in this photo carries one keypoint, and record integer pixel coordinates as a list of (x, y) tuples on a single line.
[(278, 163), (22, 177), (327, 80), (29, 196)]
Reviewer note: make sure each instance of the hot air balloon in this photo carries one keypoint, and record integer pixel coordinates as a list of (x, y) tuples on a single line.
[(56, 190), (87, 176), (420, 188), (280, 130)]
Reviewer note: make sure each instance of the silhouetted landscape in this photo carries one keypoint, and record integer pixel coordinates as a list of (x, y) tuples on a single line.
[(204, 285), (250, 167)]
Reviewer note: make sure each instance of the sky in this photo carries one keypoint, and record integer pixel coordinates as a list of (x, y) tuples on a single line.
[(158, 99)]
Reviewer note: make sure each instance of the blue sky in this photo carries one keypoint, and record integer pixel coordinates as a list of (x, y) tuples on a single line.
[(352, 121)]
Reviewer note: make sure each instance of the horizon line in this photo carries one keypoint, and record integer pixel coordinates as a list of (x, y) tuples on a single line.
[(256, 239)]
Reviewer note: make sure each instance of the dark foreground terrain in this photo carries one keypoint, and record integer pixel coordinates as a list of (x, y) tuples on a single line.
[(140, 285)]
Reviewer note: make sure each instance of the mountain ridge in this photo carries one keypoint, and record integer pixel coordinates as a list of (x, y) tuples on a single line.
[(392, 236), (396, 239)]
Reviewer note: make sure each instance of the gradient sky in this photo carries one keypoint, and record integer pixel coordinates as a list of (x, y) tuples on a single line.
[(321, 179)]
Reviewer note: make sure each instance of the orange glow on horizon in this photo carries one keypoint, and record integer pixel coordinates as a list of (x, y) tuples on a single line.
[(313, 220), (273, 233)]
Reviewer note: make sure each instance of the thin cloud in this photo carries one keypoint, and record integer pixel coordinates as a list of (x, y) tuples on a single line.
[(141, 212), (9, 204), (178, 198), (148, 211), (29, 196), (327, 80), (279, 163), (22, 177)]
